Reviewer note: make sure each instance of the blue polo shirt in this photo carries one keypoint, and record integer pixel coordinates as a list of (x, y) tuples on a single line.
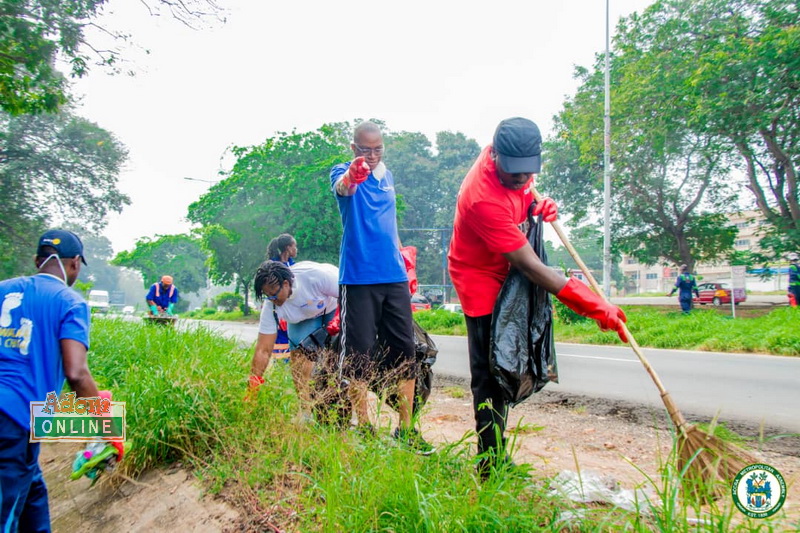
[(36, 313), (370, 252), (163, 299)]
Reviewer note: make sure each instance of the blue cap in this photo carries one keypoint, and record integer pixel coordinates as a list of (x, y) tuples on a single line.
[(66, 243), (518, 145)]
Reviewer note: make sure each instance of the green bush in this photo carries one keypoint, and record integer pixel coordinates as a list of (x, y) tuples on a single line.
[(229, 301), (441, 322), (208, 311)]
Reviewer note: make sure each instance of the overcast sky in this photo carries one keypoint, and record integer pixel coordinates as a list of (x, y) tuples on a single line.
[(274, 66)]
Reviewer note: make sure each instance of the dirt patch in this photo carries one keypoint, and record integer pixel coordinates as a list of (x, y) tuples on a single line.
[(161, 500), (552, 432)]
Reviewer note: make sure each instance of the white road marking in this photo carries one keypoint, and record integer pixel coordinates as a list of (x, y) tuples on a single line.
[(596, 357)]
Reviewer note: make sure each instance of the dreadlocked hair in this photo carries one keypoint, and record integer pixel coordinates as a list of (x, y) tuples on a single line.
[(278, 245), (271, 273)]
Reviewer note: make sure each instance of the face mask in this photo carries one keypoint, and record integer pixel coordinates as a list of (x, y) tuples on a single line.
[(60, 265)]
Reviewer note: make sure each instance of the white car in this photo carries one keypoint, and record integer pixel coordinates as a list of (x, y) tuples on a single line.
[(128, 310), (453, 308)]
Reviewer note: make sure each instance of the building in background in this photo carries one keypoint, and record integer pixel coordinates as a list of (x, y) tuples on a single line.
[(660, 279)]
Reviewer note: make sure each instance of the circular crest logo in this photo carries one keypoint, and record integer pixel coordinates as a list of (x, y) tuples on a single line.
[(759, 490)]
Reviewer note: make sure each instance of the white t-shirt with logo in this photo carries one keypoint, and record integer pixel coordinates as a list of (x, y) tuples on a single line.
[(315, 292)]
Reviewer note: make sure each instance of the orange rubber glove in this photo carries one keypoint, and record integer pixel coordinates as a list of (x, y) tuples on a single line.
[(334, 326), (580, 298), (547, 208), (253, 384), (357, 173)]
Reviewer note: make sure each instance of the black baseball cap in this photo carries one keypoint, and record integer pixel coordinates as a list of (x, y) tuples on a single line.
[(66, 243), (518, 145)]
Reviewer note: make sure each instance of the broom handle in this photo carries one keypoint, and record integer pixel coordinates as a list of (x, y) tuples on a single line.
[(665, 396)]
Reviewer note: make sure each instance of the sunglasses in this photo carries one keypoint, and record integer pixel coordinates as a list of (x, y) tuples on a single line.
[(365, 151), (273, 297)]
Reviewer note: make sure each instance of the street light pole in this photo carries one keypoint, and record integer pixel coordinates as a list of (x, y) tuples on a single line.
[(212, 182), (607, 172)]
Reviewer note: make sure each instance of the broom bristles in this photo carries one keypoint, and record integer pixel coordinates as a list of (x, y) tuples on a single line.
[(710, 463)]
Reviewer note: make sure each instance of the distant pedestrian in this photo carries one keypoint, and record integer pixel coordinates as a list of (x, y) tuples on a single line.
[(794, 280), (162, 297), (685, 284)]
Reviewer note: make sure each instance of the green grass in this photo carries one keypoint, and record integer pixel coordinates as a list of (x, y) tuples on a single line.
[(184, 394), (703, 329), (441, 322), (774, 332), (208, 313)]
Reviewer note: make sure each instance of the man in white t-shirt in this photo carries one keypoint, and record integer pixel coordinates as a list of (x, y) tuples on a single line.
[(305, 295)]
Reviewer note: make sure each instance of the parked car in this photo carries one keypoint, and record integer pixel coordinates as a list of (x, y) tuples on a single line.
[(419, 303), (453, 308), (128, 310), (716, 293)]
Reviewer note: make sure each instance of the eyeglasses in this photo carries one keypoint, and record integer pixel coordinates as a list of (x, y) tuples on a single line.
[(365, 151), (273, 297)]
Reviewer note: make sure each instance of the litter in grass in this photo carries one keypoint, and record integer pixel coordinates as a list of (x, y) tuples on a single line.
[(591, 487)]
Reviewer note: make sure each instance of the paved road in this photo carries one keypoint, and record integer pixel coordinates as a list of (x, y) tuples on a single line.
[(739, 387)]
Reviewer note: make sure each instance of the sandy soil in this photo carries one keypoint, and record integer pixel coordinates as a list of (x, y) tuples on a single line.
[(553, 433)]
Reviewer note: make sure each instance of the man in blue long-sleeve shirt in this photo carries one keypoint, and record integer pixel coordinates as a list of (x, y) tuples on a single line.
[(162, 297)]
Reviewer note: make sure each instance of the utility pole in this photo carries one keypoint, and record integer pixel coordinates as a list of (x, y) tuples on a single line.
[(607, 172)]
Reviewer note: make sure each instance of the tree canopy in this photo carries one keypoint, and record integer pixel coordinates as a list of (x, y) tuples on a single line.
[(179, 256), (55, 169), (35, 35), (279, 186)]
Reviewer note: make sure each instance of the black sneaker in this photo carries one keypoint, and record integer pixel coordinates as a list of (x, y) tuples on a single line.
[(412, 439)]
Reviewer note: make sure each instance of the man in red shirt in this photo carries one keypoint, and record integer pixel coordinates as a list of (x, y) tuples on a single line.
[(492, 203)]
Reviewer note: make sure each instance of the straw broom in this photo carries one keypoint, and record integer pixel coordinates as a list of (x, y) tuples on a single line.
[(710, 463)]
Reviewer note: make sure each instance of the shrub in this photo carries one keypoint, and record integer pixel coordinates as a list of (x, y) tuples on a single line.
[(229, 301)]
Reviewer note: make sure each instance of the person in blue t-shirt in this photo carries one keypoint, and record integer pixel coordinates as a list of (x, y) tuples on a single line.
[(44, 336), (374, 292), (686, 284), (282, 249), (162, 297)]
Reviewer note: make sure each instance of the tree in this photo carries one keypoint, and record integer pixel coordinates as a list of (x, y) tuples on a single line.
[(54, 170), (428, 186), (36, 34), (669, 180), (98, 253), (179, 256), (733, 68), (280, 186)]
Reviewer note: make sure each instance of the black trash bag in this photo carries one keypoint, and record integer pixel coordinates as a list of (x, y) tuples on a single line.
[(523, 356)]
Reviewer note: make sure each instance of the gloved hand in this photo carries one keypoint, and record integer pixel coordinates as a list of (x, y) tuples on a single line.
[(106, 394), (154, 310), (170, 308), (581, 299), (334, 326), (357, 173), (253, 384), (547, 208), (282, 325), (409, 254)]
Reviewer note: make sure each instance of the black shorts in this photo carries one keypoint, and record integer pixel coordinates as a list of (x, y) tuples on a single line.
[(381, 313)]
